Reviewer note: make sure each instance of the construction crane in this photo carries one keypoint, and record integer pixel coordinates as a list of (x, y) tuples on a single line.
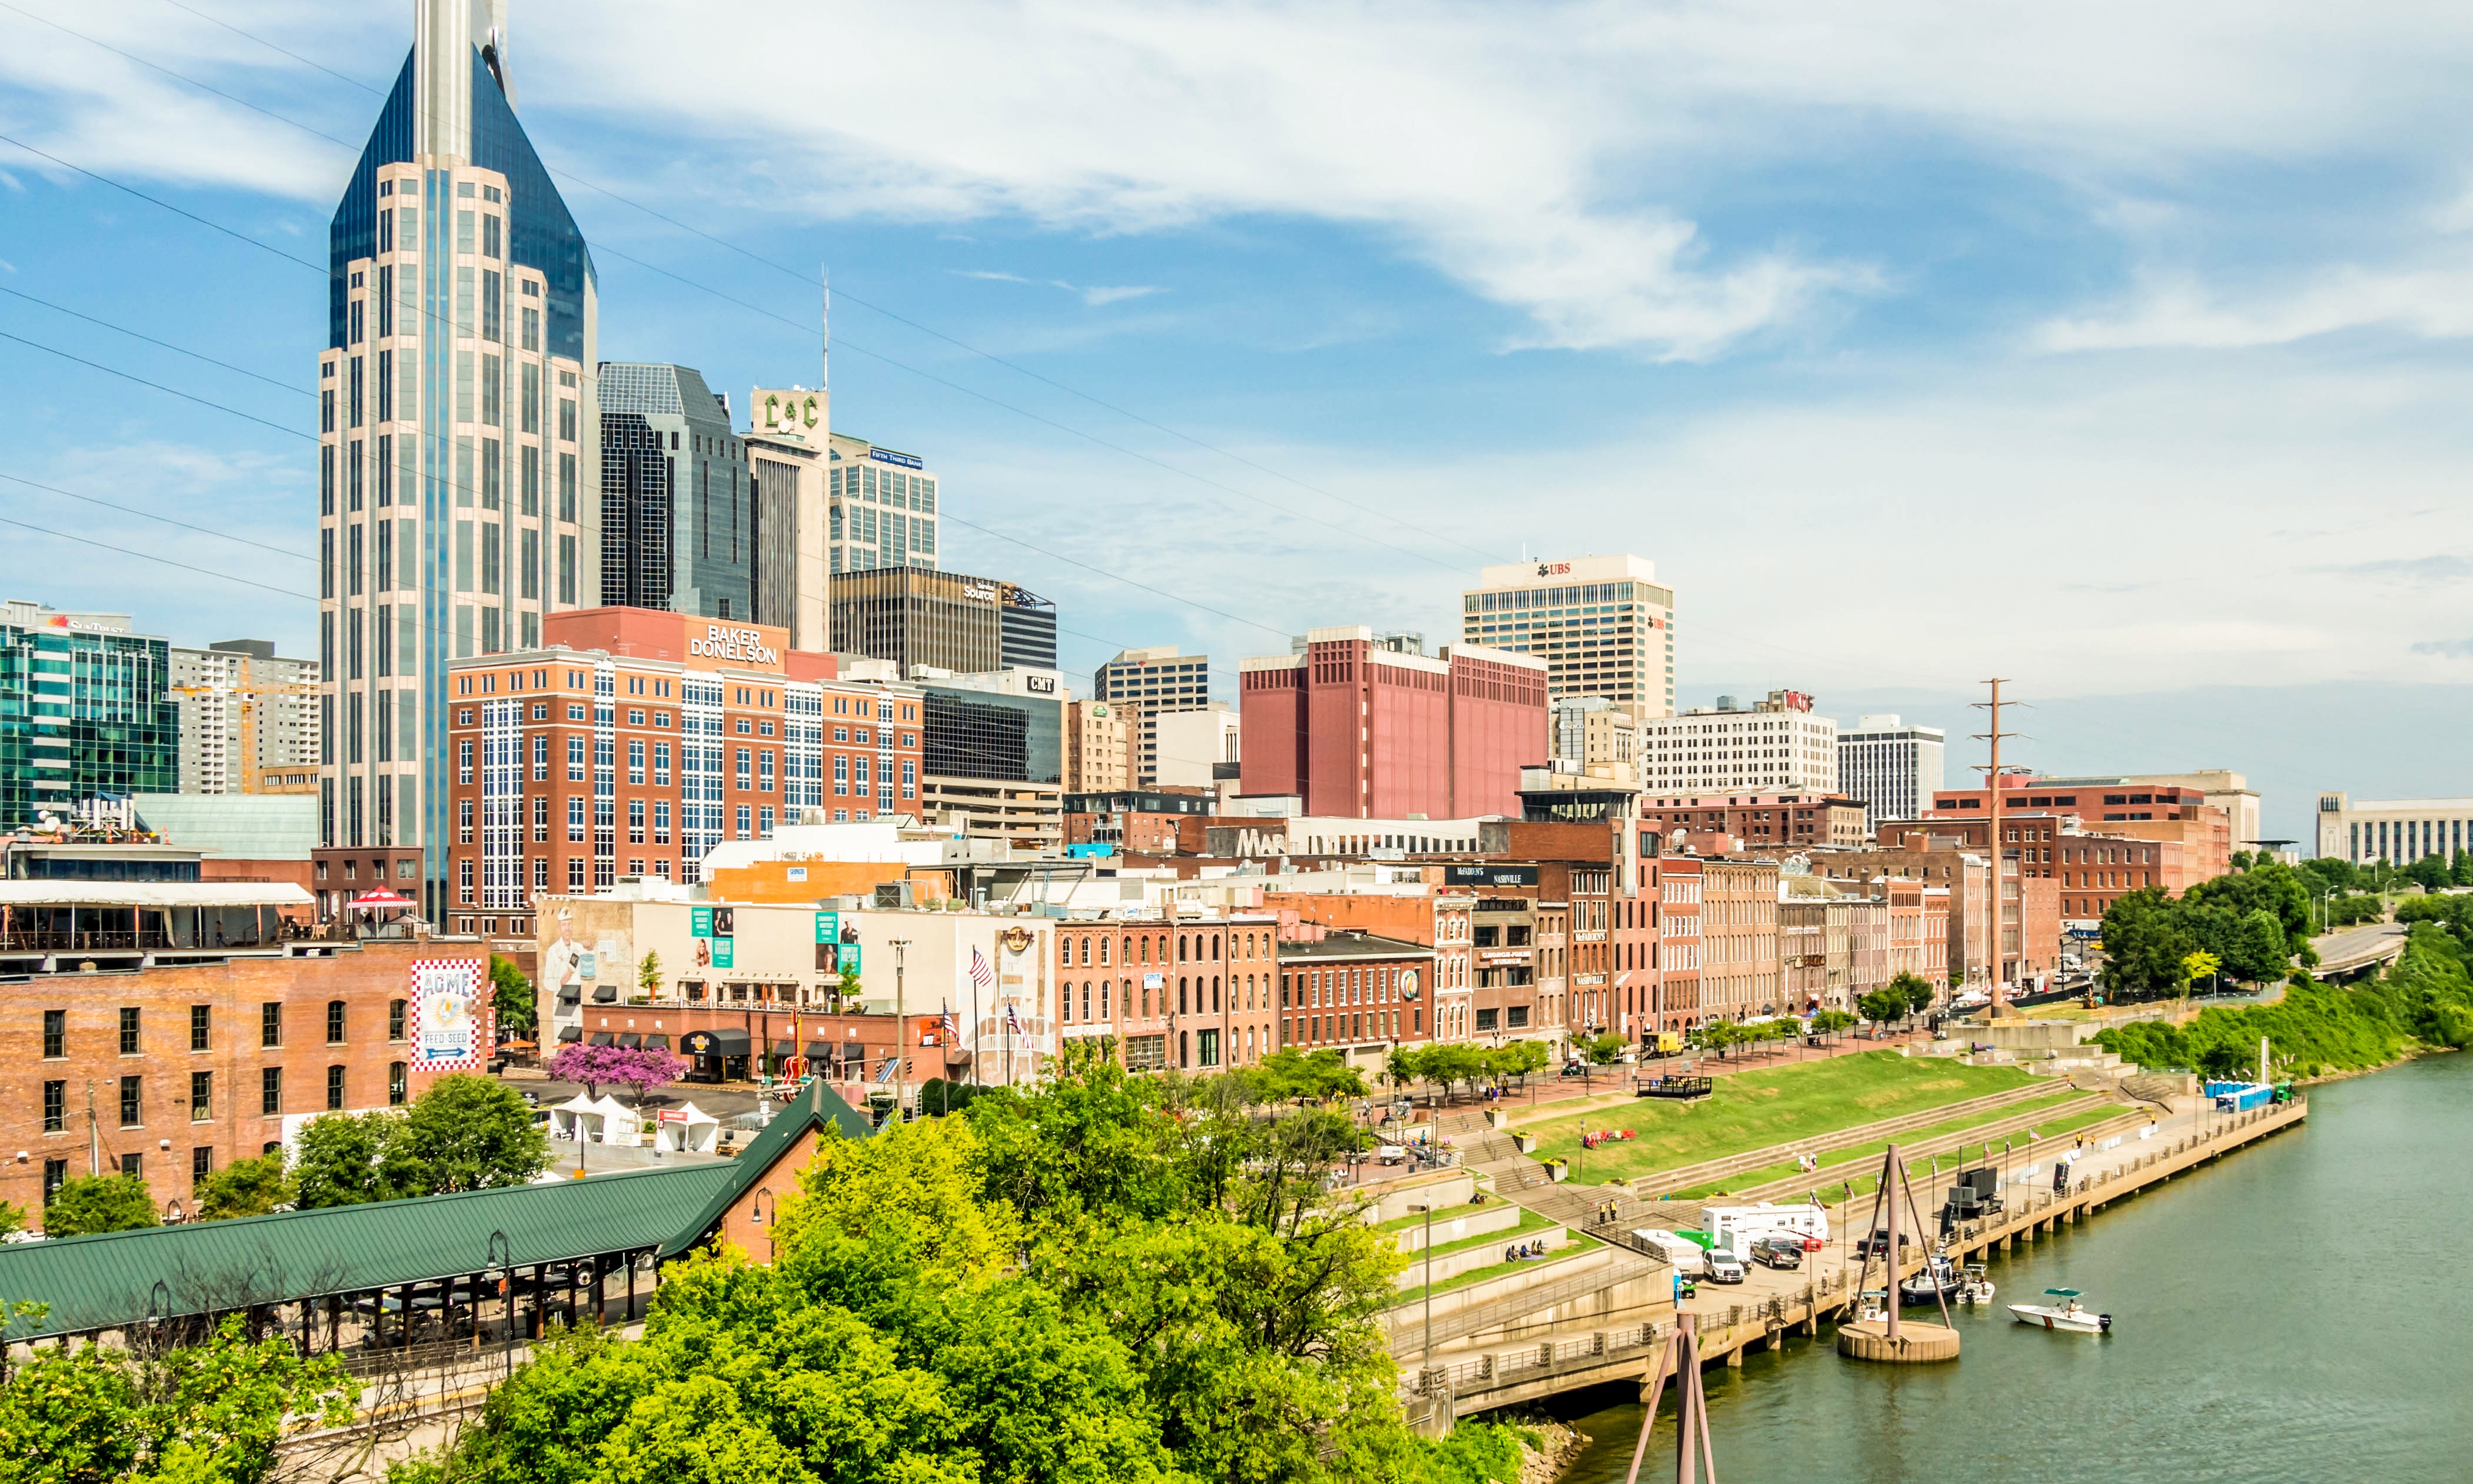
[(248, 693)]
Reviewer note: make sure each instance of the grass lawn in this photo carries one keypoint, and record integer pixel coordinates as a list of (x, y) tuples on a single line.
[(1917, 1169), (1530, 1223), (2095, 1111), (1754, 1110), (1577, 1245)]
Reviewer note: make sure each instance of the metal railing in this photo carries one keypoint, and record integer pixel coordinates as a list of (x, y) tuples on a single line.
[(1778, 1153), (1519, 1364)]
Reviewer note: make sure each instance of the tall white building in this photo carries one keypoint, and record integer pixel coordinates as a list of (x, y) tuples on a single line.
[(880, 507), (1603, 625), (1150, 682), (1894, 768), (249, 720), (1777, 744), (459, 469)]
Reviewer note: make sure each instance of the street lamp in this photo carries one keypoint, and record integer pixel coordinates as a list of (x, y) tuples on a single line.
[(901, 1033), (764, 1209), (1427, 1355), (499, 1262)]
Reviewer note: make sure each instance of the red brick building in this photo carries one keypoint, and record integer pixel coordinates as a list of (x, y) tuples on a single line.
[(1189, 993), (636, 740), (1760, 821), (169, 1071), (1356, 992), (1361, 732)]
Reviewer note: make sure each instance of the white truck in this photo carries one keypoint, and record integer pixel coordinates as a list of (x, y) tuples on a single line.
[(1736, 1227), (1689, 1258)]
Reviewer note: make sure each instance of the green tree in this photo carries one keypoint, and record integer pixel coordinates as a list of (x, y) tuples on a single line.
[(1828, 1021), (1915, 989), (1603, 1050), (244, 1188), (2143, 944), (471, 1133), (351, 1159), (648, 975), (195, 1414), (519, 1011), (1884, 1005), (100, 1203), (2258, 949), (2459, 871), (2430, 872)]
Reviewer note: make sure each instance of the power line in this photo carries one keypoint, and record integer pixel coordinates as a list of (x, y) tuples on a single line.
[(151, 341), (271, 46), (155, 200), (123, 551), (157, 386), (280, 551)]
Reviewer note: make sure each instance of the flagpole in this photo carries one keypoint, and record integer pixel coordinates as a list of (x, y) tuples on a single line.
[(975, 1035)]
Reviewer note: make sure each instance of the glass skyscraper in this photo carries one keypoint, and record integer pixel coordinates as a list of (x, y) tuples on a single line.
[(85, 710), (459, 466)]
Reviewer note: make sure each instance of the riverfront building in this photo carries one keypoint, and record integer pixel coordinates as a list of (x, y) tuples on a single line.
[(459, 438)]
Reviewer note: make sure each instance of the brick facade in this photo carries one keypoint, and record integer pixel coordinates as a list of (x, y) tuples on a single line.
[(370, 981)]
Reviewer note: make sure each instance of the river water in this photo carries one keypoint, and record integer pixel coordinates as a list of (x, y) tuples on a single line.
[(2297, 1310)]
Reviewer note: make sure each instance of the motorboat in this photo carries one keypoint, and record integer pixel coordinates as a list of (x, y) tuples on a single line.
[(1939, 1279), (2065, 1315), (1871, 1307), (1977, 1288)]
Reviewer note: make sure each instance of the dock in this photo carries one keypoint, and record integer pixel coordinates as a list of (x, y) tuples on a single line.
[(1590, 1328)]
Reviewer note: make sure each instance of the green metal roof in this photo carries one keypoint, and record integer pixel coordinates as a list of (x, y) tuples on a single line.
[(813, 1108), (106, 1281)]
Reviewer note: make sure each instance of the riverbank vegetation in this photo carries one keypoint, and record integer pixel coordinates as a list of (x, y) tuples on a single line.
[(1808, 1101), (2425, 998), (1109, 1276), (2254, 921)]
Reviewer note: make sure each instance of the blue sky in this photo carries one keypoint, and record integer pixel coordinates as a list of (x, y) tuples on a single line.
[(2120, 352)]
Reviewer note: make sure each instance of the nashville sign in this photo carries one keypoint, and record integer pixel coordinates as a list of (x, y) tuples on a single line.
[(744, 645)]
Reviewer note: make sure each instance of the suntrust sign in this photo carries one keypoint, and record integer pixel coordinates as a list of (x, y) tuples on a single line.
[(741, 646)]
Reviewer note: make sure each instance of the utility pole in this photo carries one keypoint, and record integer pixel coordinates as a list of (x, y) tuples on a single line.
[(1992, 808), (901, 1034)]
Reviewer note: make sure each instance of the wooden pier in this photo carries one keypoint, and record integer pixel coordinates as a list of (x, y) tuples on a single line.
[(1545, 1357)]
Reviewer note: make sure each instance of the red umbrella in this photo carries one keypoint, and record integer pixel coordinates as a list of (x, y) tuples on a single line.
[(372, 900)]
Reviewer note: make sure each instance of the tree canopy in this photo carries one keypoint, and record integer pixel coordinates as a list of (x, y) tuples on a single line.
[(1107, 1278), (462, 1133), (244, 1188), (197, 1414), (100, 1203), (512, 997)]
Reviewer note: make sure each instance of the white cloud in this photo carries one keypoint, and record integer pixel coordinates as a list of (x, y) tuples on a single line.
[(2435, 304), (1099, 298)]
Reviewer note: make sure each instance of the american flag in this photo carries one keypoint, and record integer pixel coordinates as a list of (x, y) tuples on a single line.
[(952, 1032), (1013, 1022), (981, 974)]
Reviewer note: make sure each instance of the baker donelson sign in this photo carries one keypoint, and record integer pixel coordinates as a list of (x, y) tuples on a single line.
[(719, 642)]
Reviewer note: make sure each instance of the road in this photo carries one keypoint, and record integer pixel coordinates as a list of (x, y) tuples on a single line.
[(2353, 947)]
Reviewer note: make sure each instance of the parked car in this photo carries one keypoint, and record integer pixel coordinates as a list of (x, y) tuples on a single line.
[(1778, 1252), (1878, 1243), (1724, 1267)]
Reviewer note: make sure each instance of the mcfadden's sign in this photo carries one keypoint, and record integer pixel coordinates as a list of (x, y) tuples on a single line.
[(740, 646)]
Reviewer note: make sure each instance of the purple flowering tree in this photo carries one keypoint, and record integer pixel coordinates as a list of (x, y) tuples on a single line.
[(640, 1067)]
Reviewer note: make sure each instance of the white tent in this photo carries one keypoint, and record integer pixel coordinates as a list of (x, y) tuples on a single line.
[(578, 1117), (687, 1128), (618, 1122)]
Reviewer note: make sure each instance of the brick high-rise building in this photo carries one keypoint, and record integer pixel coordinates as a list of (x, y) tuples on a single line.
[(1365, 732), (640, 740), (458, 449)]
